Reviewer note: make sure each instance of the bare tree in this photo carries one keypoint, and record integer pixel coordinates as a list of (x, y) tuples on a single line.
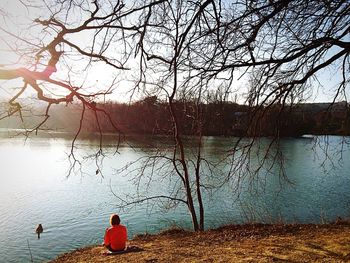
[(56, 62), (182, 49), (187, 47)]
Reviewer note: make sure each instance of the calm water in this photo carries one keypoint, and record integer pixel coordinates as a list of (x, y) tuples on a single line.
[(74, 211)]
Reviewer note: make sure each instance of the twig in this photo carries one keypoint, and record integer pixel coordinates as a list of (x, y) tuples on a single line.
[(30, 252)]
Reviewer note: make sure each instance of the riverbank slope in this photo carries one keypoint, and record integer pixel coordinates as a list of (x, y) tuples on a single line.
[(246, 243)]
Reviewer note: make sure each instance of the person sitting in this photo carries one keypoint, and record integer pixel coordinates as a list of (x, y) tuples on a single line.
[(116, 236)]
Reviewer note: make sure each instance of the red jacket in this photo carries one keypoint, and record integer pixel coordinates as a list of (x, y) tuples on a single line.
[(116, 236)]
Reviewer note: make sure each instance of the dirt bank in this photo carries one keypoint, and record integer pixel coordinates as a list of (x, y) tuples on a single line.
[(248, 243)]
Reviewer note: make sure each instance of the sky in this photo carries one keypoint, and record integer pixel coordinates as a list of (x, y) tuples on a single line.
[(100, 75), (17, 21)]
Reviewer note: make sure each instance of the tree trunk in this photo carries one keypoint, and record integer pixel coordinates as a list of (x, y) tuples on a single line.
[(187, 185), (198, 185), (179, 144)]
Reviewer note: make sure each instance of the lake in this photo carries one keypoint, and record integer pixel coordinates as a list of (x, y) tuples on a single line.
[(74, 210)]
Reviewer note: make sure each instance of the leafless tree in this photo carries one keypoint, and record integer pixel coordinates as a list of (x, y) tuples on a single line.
[(182, 48), (54, 55)]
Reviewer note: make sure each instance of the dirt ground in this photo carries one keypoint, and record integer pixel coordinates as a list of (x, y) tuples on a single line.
[(247, 243)]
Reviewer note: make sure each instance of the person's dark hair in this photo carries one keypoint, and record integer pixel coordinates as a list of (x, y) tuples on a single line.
[(114, 220)]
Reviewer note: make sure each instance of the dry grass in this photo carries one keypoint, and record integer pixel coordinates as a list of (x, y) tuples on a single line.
[(248, 243)]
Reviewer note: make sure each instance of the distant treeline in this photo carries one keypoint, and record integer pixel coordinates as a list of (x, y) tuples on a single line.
[(151, 116)]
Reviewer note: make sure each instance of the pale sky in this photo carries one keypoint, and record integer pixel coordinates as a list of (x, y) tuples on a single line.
[(101, 76)]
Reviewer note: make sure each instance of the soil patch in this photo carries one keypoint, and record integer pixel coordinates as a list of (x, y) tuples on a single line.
[(234, 243)]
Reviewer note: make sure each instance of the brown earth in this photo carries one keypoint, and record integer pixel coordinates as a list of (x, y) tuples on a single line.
[(247, 243)]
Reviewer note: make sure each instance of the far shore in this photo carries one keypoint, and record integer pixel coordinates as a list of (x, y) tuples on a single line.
[(233, 243)]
